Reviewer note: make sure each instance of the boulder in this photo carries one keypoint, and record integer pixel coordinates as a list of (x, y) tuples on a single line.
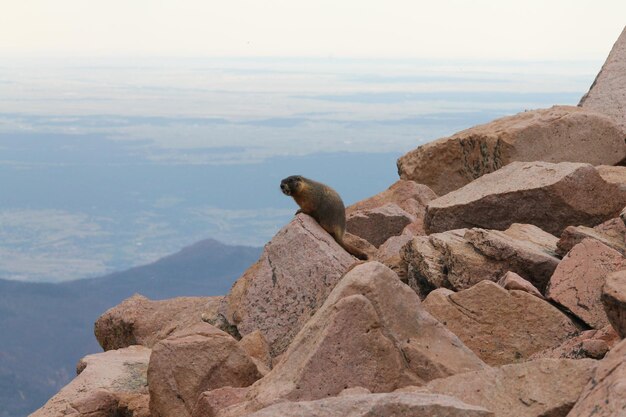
[(370, 405), (371, 332), (390, 254), (512, 281), (592, 344), (379, 224), (210, 403), (607, 94), (140, 321), (192, 361), (104, 387), (614, 300), (611, 233), (557, 134), (500, 326), (545, 387), (605, 394), (577, 281), (613, 174), (360, 244), (386, 214), (446, 260), (523, 248), (550, 196), (458, 259), (277, 295), (255, 345)]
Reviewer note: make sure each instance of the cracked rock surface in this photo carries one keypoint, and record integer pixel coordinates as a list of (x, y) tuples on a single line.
[(458, 259)]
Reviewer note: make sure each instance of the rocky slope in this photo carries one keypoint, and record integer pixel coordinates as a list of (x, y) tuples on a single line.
[(504, 297)]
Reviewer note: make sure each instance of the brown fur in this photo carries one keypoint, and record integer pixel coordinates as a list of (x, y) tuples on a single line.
[(323, 204)]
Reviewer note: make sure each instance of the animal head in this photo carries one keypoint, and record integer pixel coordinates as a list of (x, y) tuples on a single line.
[(292, 185)]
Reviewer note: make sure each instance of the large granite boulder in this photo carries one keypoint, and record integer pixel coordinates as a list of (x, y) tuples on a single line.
[(500, 326), (369, 405), (108, 385), (607, 94), (578, 280), (605, 394), (277, 295), (557, 134), (544, 387), (550, 196), (386, 214), (371, 332), (614, 300), (458, 259), (140, 321), (192, 361)]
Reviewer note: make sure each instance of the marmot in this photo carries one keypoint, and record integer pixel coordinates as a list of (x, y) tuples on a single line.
[(323, 204)]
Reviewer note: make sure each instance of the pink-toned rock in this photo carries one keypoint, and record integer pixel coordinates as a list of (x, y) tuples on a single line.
[(613, 174), (255, 345), (500, 326), (133, 405), (371, 332), (386, 214), (390, 254), (608, 92), (102, 389), (578, 280), (545, 387), (605, 394), (446, 260), (359, 243), (210, 403), (614, 300), (550, 196), (393, 404), (622, 215), (296, 272), (140, 321), (408, 195), (610, 233), (524, 248), (557, 134), (378, 224), (592, 344), (458, 259), (512, 281), (192, 361)]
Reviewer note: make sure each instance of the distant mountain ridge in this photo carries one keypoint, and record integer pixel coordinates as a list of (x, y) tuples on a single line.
[(46, 328)]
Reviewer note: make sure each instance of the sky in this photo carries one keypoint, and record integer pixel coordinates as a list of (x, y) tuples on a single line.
[(444, 29)]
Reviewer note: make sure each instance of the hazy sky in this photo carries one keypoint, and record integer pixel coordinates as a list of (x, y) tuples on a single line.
[(475, 29)]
